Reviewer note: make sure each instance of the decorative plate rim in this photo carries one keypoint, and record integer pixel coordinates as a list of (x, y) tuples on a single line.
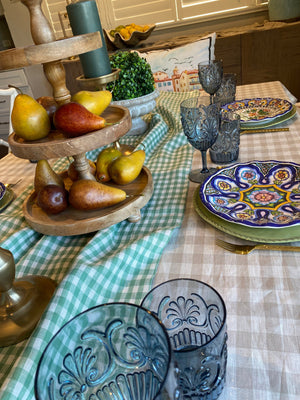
[(258, 235), (2, 190), (266, 124), (8, 197), (248, 223), (262, 120)]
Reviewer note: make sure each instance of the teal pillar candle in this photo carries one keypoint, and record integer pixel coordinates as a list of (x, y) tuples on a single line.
[(84, 18), (280, 10)]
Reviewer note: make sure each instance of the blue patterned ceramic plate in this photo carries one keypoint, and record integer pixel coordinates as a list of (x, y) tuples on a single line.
[(256, 194), (2, 190), (8, 197), (259, 110)]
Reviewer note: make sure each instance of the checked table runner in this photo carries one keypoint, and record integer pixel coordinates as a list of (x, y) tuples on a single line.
[(115, 264)]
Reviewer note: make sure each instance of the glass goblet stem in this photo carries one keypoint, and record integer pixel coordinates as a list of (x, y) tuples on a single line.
[(204, 170)]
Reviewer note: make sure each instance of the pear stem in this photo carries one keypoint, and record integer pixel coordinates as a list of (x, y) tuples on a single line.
[(15, 87)]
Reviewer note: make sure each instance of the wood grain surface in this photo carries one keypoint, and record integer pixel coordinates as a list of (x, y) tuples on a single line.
[(74, 222), (47, 52), (57, 145)]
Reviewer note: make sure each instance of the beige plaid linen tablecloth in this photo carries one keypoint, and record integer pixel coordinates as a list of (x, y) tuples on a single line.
[(260, 290)]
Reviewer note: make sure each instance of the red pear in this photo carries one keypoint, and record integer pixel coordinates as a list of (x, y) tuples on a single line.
[(75, 120)]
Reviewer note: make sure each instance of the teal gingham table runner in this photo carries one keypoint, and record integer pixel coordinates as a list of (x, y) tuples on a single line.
[(115, 264)]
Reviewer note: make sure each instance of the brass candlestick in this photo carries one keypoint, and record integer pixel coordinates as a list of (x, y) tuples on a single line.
[(22, 301), (98, 83)]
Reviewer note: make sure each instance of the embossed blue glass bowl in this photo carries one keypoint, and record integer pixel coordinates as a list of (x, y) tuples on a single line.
[(116, 351)]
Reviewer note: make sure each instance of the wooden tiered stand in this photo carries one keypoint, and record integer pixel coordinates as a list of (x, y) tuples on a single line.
[(49, 52)]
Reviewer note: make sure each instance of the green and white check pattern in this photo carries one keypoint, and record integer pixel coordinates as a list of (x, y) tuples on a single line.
[(114, 264)]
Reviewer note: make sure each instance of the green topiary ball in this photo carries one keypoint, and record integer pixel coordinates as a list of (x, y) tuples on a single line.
[(135, 78)]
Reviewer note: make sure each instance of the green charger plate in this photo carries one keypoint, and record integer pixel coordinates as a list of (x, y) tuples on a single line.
[(261, 235), (8, 197)]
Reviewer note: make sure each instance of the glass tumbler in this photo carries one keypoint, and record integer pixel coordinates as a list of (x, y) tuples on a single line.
[(225, 150), (226, 92), (112, 351), (194, 315)]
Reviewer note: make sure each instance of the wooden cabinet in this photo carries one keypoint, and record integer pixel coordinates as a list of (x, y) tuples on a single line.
[(260, 55), (264, 55)]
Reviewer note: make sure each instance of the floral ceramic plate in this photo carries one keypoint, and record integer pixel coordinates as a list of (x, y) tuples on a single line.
[(7, 198), (2, 190), (255, 194), (257, 235), (259, 110)]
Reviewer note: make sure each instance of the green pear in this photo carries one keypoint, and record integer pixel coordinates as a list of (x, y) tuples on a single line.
[(86, 194), (127, 168), (29, 119), (95, 102), (104, 159), (44, 175)]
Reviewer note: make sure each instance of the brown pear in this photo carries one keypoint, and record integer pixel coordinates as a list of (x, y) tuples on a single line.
[(87, 194), (75, 120), (53, 199), (44, 175)]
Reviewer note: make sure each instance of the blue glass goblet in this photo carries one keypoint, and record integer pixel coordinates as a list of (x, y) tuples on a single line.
[(200, 121), (210, 76)]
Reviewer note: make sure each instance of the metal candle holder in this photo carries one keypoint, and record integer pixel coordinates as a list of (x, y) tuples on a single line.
[(22, 301), (98, 83)]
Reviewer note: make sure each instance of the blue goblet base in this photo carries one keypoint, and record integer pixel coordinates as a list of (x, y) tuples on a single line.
[(198, 176)]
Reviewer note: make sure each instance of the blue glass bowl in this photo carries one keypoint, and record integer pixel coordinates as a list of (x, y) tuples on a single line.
[(114, 351)]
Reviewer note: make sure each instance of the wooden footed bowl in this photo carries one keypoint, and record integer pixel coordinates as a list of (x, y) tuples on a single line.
[(57, 145), (75, 222)]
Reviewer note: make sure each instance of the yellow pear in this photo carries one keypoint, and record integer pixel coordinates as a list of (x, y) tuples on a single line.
[(29, 119), (86, 194), (104, 159), (127, 168), (95, 102), (44, 175)]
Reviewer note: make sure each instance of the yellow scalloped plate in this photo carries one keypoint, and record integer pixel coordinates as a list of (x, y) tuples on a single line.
[(134, 39)]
